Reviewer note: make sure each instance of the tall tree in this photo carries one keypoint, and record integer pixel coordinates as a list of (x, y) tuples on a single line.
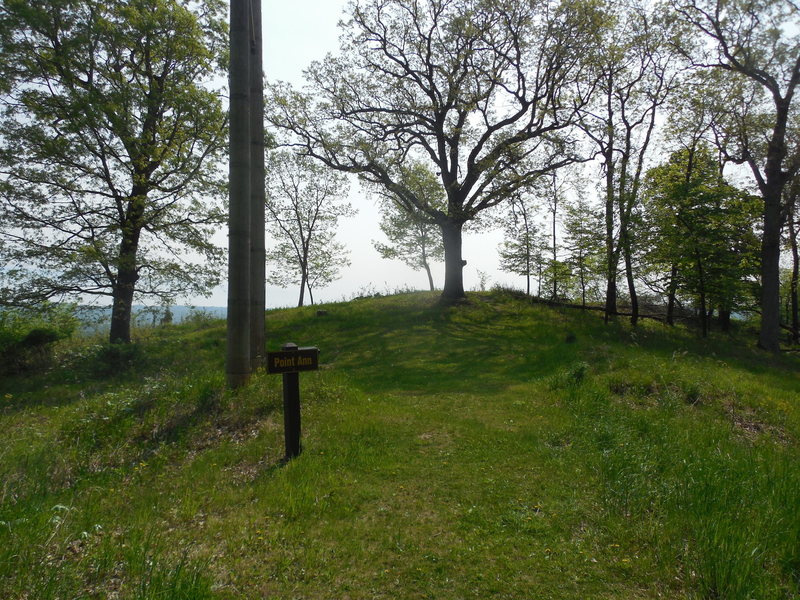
[(755, 45), (692, 114), (413, 237), (485, 93), (555, 195), (583, 240), (304, 205), (701, 227), (238, 355), (523, 249), (636, 77), (109, 147)]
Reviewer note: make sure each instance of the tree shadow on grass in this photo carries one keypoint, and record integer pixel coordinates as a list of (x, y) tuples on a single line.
[(475, 346)]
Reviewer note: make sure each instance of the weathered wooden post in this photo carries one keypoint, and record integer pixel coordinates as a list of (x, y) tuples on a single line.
[(291, 408), (290, 361)]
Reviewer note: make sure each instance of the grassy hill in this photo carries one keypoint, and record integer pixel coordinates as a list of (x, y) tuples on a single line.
[(495, 449)]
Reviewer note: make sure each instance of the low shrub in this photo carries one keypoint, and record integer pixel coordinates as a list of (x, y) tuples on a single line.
[(110, 359), (27, 335)]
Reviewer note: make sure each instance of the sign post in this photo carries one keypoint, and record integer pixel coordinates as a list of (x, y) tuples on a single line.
[(290, 361)]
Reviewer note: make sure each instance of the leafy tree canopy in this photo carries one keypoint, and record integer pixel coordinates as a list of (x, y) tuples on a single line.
[(109, 149), (752, 48), (704, 227), (413, 237), (304, 205), (484, 93)]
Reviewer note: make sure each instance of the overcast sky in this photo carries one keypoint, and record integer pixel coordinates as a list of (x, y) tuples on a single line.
[(297, 32)]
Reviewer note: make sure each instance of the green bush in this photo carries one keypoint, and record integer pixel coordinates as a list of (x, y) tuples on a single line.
[(109, 359), (28, 334)]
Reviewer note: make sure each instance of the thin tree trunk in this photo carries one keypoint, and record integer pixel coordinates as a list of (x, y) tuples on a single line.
[(539, 282), (453, 263), (257, 196), (427, 268), (237, 363), (795, 317), (310, 293), (303, 283), (528, 248), (702, 291), (787, 309), (612, 257), (555, 247), (631, 283), (623, 244), (582, 279), (671, 290), (611, 253)]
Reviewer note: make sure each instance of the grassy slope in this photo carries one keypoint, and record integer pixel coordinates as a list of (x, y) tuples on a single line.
[(491, 450)]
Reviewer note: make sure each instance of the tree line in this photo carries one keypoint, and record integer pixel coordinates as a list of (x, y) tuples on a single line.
[(499, 99), (619, 122)]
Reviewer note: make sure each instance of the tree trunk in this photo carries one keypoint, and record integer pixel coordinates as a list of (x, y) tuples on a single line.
[(703, 314), (539, 276), (671, 290), (122, 303), (612, 258), (122, 306), (795, 317), (583, 289), (257, 197), (237, 363), (304, 277), (702, 292), (303, 282), (611, 298), (725, 319), (427, 268), (453, 263), (632, 292), (769, 334), (611, 252), (555, 246), (582, 276), (127, 271), (528, 248), (631, 283), (772, 185)]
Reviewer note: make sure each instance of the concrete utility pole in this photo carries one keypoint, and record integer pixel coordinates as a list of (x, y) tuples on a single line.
[(257, 196), (237, 362)]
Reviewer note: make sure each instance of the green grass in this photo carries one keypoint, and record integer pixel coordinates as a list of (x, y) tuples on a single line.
[(495, 449)]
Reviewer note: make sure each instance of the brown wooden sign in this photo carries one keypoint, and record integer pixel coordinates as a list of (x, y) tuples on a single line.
[(293, 361)]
